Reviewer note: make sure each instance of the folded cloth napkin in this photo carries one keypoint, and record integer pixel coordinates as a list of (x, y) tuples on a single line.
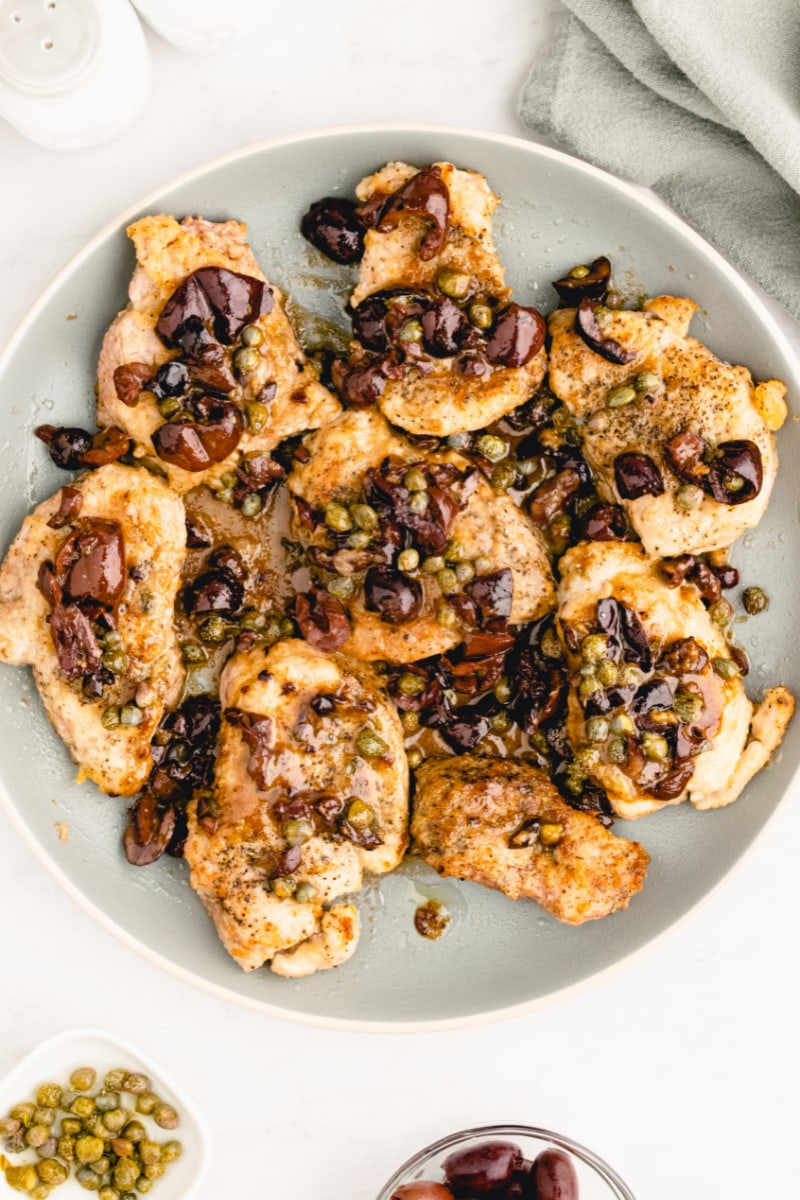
[(698, 99)]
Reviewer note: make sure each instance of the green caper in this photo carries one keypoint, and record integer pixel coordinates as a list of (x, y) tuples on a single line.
[(501, 722), (70, 1125), (9, 1126), (465, 572), (82, 1106), (149, 1152), (411, 331), (721, 612), (42, 1115), (597, 729), (415, 480), (359, 539), (48, 1096), (65, 1148), (360, 814), (364, 516), (22, 1178), (755, 600), (726, 668), (89, 1149), (108, 1193), (616, 750), (126, 1171), (116, 661), (246, 359), (502, 689), (733, 483), (287, 627), (114, 1079), (88, 1179), (503, 477), (607, 671), (550, 645), (411, 685), (340, 586), (447, 580), (491, 447), (297, 830), (688, 497), (105, 1101), (40, 1192), (252, 504), (337, 517), (190, 653), (284, 887), (446, 616), (455, 284), (618, 397), (629, 675), (216, 629), (654, 746), (171, 1151), (459, 441), (229, 479), (621, 723), (115, 1119), (271, 632), (143, 1184), (414, 757), (528, 466), (647, 381), (135, 1130), (579, 272), (251, 335), (433, 564), (550, 833), (688, 706), (587, 758), (409, 721), (155, 1170), (36, 1136), (370, 745), (588, 686), (169, 406), (481, 315), (123, 1147), (408, 559), (418, 502), (102, 1165), (594, 647), (483, 565), (224, 495), (305, 892)]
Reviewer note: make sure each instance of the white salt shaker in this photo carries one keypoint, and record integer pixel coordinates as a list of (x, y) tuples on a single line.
[(73, 73), (205, 24)]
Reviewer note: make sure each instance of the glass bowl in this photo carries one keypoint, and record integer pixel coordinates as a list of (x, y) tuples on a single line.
[(597, 1181)]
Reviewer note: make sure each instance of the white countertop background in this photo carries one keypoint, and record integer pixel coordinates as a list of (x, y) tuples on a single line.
[(681, 1067)]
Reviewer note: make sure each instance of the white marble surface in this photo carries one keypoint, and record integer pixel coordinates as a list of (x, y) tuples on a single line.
[(681, 1068)]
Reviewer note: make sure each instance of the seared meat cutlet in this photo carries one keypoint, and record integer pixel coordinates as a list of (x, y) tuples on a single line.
[(657, 707), (89, 605), (684, 409), (502, 823), (488, 526), (311, 790), (280, 379)]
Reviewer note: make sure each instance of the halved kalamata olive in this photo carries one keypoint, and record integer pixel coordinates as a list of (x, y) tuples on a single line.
[(91, 563), (107, 446), (334, 226), (637, 475), (198, 536), (684, 455), (574, 288), (70, 504), (76, 645), (482, 1169), (654, 693), (554, 1176), (322, 619), (735, 473), (172, 379), (67, 444), (361, 385), (727, 575), (671, 785), (462, 729), (586, 325), (706, 582), (236, 300), (516, 336), (493, 596), (684, 657), (149, 830), (443, 328), (196, 445), (425, 195), (129, 379), (677, 570), (604, 523), (369, 323), (225, 558), (213, 592), (188, 302), (552, 496), (397, 598)]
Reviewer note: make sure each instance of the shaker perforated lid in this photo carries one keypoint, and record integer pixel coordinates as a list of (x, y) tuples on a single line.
[(46, 45)]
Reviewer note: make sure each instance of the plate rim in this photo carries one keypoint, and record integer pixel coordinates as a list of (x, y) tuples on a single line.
[(635, 193)]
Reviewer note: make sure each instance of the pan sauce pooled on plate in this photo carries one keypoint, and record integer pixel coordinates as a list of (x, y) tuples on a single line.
[(259, 605)]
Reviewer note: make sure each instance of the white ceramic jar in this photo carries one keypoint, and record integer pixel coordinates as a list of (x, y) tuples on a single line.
[(205, 24), (73, 73)]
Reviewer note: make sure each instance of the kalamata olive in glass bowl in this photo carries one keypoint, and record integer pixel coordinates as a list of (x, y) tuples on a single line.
[(505, 1162)]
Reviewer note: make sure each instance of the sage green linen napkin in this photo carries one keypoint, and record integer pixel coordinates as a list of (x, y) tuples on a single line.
[(699, 100)]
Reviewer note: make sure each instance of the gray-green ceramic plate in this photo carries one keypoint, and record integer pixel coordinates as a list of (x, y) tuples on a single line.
[(498, 957)]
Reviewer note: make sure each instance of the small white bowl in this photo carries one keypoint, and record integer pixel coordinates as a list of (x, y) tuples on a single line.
[(54, 1060)]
